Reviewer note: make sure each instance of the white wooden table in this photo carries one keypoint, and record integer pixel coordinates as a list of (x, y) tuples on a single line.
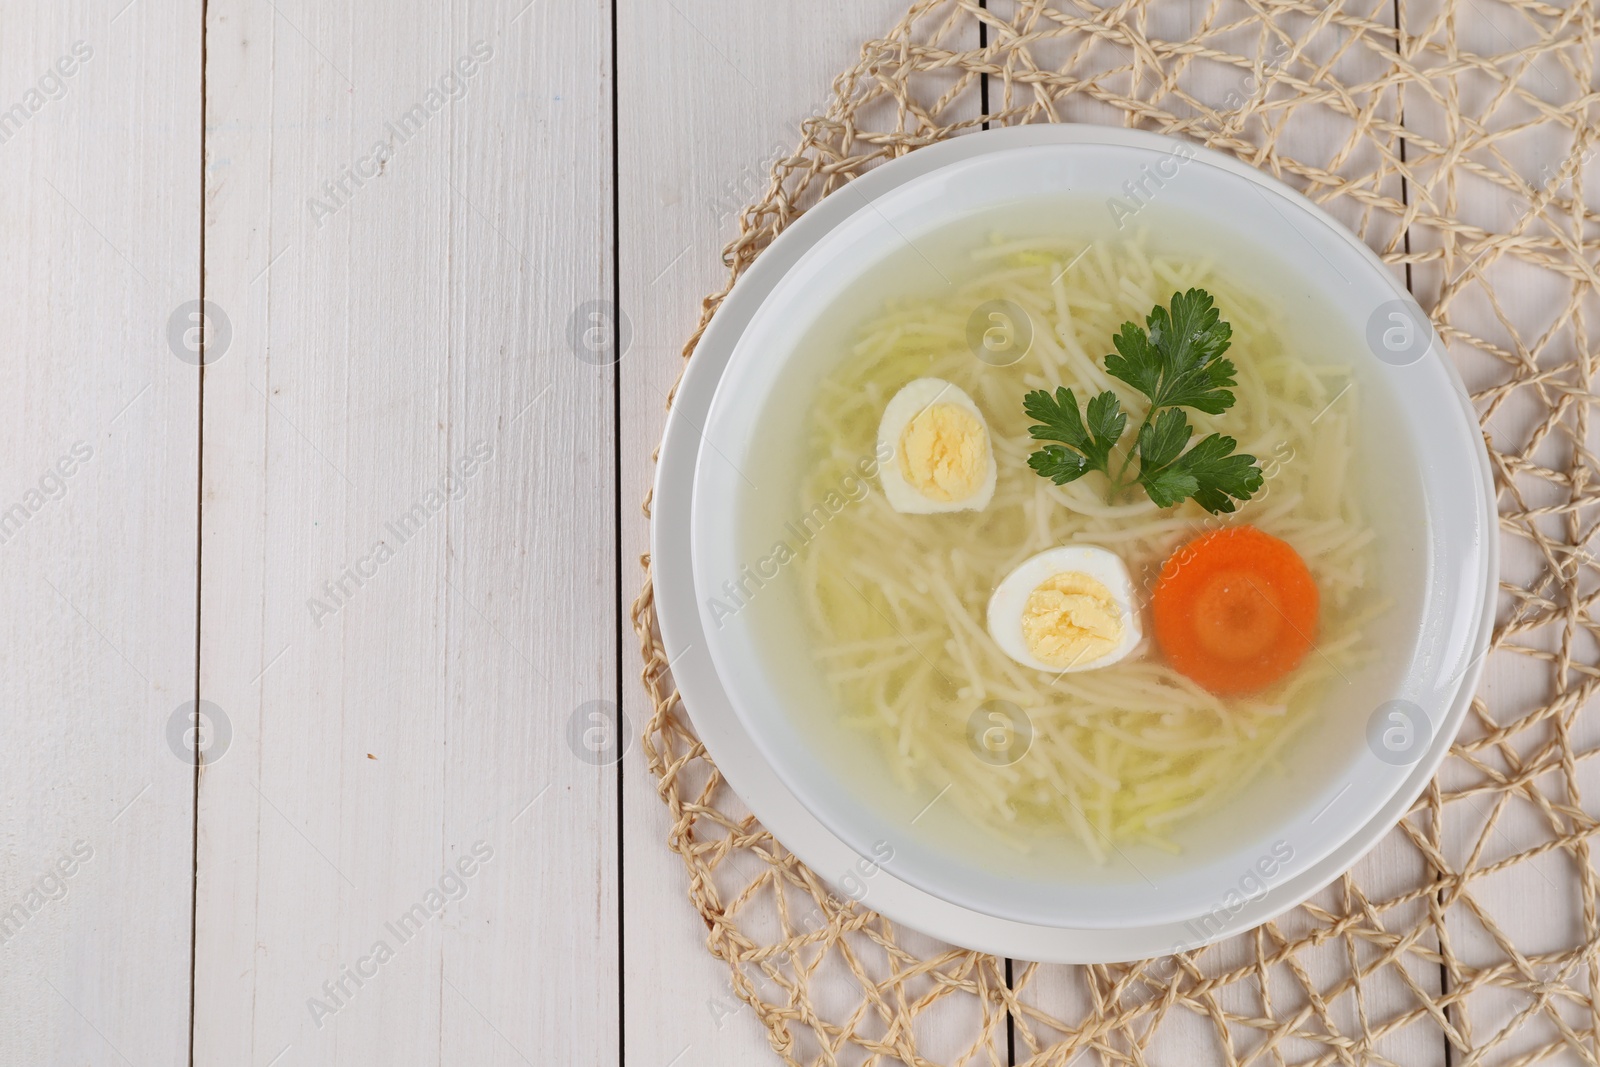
[(388, 537)]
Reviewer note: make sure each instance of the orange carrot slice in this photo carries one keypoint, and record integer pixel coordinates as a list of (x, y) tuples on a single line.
[(1235, 610)]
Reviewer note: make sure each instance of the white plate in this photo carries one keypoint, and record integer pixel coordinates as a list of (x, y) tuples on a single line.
[(893, 887)]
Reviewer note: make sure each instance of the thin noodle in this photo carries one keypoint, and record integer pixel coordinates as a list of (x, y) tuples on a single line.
[(1119, 754)]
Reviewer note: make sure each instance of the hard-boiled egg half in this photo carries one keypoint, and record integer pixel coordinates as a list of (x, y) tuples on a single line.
[(941, 460), (1066, 609)]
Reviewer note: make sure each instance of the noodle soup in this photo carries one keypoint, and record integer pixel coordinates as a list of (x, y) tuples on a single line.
[(894, 610)]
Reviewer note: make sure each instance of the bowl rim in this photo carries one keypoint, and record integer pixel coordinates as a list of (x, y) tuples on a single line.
[(683, 631)]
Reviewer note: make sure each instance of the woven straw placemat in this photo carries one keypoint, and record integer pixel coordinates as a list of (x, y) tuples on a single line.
[(1456, 145)]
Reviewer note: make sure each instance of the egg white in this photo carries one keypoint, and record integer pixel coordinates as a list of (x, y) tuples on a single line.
[(914, 398), (1011, 597)]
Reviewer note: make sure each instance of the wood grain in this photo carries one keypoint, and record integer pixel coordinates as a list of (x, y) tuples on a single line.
[(96, 528), (100, 158), (409, 572), (411, 357), (687, 166), (1534, 905)]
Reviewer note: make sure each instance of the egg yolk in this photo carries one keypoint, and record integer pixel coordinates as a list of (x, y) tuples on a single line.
[(1071, 619), (944, 452)]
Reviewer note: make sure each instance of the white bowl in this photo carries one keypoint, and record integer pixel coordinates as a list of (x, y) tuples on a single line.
[(1341, 797)]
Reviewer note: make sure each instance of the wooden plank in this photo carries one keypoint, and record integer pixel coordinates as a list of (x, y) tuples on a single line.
[(409, 533), (1524, 184), (1226, 104), (100, 155), (710, 95)]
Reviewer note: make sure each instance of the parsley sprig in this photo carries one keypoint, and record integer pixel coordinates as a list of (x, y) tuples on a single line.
[(1176, 362)]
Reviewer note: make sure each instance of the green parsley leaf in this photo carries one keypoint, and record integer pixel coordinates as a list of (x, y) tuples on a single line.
[(1177, 360), (1106, 422), (1221, 473), (1059, 464), (1209, 471), (1161, 440), (1088, 447)]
